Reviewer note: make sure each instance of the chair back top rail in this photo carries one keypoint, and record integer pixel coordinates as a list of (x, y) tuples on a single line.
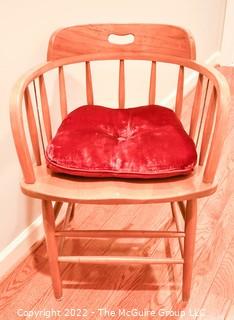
[(94, 38)]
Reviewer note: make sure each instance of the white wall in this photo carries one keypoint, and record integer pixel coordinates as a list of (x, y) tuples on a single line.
[(227, 48), (25, 27)]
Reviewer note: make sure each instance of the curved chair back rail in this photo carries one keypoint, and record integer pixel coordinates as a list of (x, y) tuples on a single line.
[(209, 127)]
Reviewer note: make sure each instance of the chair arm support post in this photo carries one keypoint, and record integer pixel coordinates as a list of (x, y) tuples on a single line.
[(219, 134), (19, 136)]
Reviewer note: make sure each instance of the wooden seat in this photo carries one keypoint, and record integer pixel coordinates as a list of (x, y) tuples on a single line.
[(35, 101), (52, 186)]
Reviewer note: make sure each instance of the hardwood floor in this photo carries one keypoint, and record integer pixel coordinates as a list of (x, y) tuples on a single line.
[(92, 287)]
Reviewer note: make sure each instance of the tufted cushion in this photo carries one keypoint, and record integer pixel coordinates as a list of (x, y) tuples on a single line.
[(142, 142)]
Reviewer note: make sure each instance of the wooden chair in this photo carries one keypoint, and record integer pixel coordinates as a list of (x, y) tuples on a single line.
[(32, 123)]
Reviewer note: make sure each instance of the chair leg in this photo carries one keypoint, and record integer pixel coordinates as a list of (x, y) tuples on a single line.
[(189, 244), (52, 250), (72, 212), (67, 219)]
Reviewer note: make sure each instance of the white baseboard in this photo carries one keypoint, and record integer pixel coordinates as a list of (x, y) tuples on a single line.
[(22, 245), (26, 242)]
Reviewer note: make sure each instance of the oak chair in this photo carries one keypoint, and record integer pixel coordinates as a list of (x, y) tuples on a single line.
[(32, 116)]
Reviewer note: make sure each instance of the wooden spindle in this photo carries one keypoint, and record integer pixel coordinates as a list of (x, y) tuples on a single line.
[(180, 90), (62, 93), (121, 84), (179, 226), (70, 208), (45, 108), (196, 106), (152, 89), (32, 126), (119, 260), (203, 112), (208, 126), (119, 234), (182, 208), (89, 86), (57, 207)]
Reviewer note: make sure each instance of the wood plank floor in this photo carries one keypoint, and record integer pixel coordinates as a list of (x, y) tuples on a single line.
[(158, 287)]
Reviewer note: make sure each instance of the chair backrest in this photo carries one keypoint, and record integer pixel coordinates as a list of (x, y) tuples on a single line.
[(156, 39), (95, 38)]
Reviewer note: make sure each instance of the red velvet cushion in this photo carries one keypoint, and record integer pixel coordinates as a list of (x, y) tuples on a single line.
[(142, 142)]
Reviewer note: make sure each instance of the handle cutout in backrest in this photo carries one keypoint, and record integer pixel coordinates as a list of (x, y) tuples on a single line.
[(121, 39)]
